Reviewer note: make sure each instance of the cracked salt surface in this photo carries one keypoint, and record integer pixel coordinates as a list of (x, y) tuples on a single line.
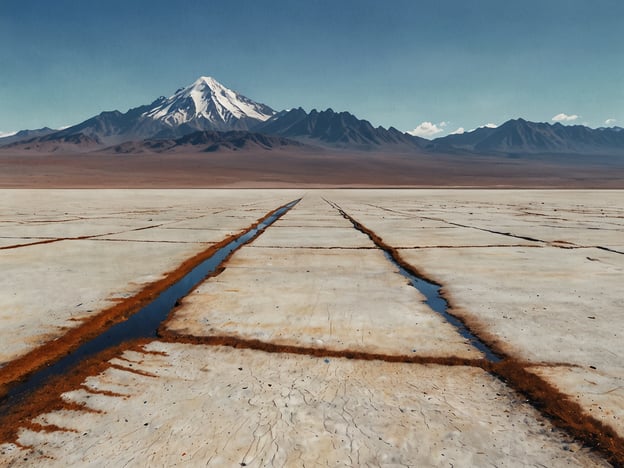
[(245, 406), (224, 407)]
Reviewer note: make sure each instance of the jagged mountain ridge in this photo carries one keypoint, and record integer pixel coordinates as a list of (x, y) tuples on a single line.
[(335, 128)]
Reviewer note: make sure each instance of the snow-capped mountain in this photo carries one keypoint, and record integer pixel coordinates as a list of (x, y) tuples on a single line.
[(208, 105), (205, 105)]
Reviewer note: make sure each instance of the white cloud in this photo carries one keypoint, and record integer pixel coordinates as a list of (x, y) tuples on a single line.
[(487, 125), (459, 131), (428, 129), (6, 134), (564, 117), (610, 121)]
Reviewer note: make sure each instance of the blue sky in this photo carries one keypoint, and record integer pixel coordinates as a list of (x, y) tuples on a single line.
[(399, 63)]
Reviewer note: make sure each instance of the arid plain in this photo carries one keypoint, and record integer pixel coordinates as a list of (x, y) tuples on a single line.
[(322, 341)]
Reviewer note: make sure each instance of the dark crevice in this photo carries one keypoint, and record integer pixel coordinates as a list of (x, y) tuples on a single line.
[(490, 246), (304, 247), (16, 246), (152, 241), (492, 231), (607, 249)]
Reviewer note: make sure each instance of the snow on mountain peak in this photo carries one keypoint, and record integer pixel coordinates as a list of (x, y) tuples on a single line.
[(208, 100)]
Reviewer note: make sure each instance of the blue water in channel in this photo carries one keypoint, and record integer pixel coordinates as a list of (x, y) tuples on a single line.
[(142, 324), (438, 304)]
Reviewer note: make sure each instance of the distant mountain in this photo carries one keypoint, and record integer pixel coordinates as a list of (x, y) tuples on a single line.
[(340, 129), (26, 135), (207, 141), (216, 117), (518, 137), (114, 126), (204, 105), (53, 142)]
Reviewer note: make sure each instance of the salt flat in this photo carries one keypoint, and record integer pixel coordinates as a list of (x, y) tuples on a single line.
[(289, 355)]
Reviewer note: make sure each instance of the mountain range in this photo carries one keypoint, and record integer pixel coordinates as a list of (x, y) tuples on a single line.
[(207, 116), (519, 136)]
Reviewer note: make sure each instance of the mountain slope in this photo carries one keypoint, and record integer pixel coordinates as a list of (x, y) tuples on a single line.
[(336, 129), (207, 141), (54, 142), (112, 126)]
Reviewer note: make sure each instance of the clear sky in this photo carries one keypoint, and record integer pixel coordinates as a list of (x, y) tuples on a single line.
[(449, 63)]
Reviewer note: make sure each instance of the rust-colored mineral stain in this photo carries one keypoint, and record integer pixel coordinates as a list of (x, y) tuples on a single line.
[(99, 391), (133, 371), (36, 427), (320, 352)]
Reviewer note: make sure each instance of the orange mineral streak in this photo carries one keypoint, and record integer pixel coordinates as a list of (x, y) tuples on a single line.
[(99, 391), (55, 349), (133, 371), (268, 347)]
